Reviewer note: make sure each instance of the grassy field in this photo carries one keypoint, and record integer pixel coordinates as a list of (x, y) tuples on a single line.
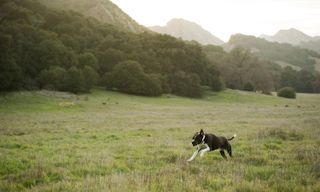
[(107, 141)]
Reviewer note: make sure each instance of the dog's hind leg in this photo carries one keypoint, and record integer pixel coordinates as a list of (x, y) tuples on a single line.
[(229, 150), (223, 154)]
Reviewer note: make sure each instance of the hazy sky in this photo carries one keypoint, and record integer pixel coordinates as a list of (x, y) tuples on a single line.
[(226, 17)]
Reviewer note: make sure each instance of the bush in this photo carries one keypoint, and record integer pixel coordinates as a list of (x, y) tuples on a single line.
[(287, 92), (216, 83), (53, 78), (248, 87)]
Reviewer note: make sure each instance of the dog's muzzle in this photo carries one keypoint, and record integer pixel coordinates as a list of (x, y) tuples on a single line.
[(194, 143)]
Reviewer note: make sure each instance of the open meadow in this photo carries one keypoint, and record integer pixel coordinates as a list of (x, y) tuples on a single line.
[(108, 141)]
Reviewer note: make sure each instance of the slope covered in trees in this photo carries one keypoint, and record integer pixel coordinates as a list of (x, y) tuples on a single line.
[(276, 51), (241, 69), (63, 50), (102, 10), (312, 45)]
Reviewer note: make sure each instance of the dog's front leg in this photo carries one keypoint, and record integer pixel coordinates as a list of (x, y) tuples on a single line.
[(194, 154), (204, 150)]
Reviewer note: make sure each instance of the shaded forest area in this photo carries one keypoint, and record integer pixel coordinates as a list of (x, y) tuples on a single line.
[(273, 51), (63, 50)]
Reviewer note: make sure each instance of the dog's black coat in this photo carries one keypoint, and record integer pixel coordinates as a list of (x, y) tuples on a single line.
[(213, 142), (221, 143)]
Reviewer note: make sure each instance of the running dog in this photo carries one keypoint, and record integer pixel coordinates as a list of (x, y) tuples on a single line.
[(211, 143)]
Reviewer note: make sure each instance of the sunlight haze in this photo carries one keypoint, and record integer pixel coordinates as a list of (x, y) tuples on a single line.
[(224, 18)]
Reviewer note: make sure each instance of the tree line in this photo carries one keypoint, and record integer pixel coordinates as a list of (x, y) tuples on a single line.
[(273, 51), (63, 50), (241, 69)]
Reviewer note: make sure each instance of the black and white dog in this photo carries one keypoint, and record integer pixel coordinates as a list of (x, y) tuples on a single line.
[(211, 143)]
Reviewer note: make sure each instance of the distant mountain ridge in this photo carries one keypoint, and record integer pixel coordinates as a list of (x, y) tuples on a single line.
[(291, 36), (103, 10), (187, 30), (295, 37)]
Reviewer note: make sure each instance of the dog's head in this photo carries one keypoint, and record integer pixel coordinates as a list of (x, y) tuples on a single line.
[(198, 138)]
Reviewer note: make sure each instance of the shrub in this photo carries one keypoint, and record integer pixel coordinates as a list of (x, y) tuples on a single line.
[(248, 87), (287, 92), (216, 83), (265, 92), (53, 78)]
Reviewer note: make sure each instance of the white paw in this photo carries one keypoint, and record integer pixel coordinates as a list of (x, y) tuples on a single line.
[(189, 160)]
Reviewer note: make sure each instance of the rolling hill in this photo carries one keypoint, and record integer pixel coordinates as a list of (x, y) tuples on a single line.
[(291, 36), (187, 30), (295, 37), (103, 10), (276, 52), (312, 45)]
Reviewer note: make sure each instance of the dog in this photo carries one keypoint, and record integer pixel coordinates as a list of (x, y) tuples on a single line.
[(211, 143)]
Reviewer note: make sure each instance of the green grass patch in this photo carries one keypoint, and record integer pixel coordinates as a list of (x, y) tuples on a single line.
[(109, 141)]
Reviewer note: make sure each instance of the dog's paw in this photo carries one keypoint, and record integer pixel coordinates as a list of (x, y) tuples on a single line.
[(189, 160)]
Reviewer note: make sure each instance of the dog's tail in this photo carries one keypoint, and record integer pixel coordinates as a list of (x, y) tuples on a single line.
[(232, 137)]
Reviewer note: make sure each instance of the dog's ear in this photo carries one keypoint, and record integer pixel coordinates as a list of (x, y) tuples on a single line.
[(201, 132)]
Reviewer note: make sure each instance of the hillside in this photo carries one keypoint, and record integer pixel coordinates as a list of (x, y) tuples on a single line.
[(187, 30), (52, 49), (275, 51), (291, 36), (103, 10), (312, 45)]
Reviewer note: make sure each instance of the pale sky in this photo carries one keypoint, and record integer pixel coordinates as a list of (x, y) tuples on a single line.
[(226, 17)]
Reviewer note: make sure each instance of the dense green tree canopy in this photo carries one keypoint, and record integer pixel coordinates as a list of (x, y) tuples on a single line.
[(43, 45)]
